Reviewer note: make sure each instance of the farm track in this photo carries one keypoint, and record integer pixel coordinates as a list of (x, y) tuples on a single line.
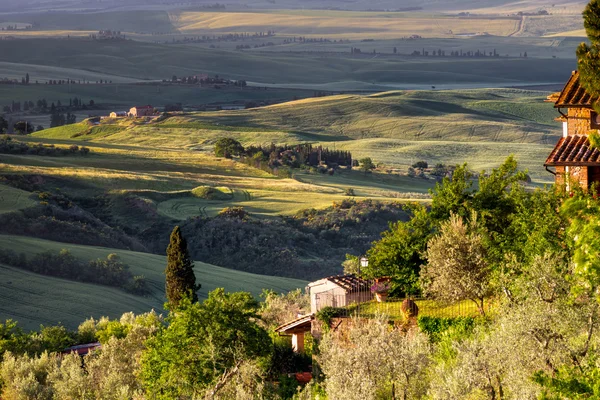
[(521, 27)]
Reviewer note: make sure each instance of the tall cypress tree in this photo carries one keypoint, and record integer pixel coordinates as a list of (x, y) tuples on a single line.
[(180, 278), (588, 56)]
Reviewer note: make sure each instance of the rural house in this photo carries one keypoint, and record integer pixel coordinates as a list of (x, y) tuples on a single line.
[(116, 114), (143, 111), (574, 161), (334, 291), (338, 291)]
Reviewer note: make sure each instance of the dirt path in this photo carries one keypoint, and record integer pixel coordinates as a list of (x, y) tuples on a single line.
[(521, 27)]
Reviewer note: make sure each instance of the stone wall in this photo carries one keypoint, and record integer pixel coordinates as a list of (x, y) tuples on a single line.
[(579, 122)]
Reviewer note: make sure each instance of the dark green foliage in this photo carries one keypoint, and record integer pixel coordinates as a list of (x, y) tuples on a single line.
[(228, 147), (400, 252), (234, 212), (49, 338), (420, 164), (366, 164), (284, 360), (8, 145), (287, 246), (24, 127), (59, 219), (588, 56), (326, 314), (201, 342), (110, 271), (295, 156), (591, 20), (288, 387), (435, 326), (180, 278)]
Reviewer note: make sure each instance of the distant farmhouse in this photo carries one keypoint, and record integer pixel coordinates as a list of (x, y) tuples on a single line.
[(117, 114), (143, 111), (575, 162)]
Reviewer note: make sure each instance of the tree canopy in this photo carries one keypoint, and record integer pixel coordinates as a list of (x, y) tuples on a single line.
[(203, 346), (180, 278)]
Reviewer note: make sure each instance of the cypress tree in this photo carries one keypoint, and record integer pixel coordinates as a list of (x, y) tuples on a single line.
[(588, 56), (180, 278)]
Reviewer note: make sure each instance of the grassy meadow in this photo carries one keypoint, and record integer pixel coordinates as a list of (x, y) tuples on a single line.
[(12, 199), (50, 300)]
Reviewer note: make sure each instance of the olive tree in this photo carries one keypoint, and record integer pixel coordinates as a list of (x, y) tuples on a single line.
[(374, 361), (457, 268)]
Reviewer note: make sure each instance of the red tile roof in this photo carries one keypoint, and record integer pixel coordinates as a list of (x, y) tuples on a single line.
[(574, 95), (350, 283), (573, 150)]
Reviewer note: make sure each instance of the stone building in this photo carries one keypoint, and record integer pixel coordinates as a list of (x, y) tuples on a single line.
[(573, 160)]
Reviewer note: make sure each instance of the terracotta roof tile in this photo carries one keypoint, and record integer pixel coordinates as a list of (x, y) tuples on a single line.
[(573, 150), (574, 95), (350, 282)]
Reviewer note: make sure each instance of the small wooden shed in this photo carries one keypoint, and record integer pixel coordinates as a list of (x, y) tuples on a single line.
[(297, 329)]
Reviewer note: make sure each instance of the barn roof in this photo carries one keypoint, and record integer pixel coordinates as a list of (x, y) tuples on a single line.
[(574, 95), (573, 150)]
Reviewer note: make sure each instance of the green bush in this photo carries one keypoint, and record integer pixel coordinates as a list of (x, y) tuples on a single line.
[(435, 326), (211, 193)]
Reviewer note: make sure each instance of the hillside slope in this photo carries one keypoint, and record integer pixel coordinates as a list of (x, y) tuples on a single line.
[(481, 126), (49, 300)]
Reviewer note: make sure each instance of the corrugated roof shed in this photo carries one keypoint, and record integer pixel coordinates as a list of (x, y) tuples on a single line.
[(573, 150)]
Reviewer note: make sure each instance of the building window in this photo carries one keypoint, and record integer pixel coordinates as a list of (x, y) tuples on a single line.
[(594, 120)]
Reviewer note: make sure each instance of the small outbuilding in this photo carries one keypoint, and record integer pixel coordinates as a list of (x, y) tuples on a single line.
[(338, 291), (118, 114), (297, 329), (141, 111)]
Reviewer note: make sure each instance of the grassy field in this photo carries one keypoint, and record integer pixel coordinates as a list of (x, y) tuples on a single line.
[(397, 128), (340, 25), (12, 199), (429, 308), (49, 300), (165, 180)]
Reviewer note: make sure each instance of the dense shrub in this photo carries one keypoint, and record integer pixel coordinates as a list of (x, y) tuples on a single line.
[(10, 146), (435, 326), (306, 246), (70, 225)]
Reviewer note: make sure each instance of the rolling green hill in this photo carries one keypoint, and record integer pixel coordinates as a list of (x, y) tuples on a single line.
[(481, 126), (35, 299)]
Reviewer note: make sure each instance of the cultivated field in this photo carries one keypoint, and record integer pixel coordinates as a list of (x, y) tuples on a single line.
[(132, 60), (49, 300)]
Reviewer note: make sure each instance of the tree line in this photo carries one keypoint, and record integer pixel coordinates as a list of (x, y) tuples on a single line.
[(293, 156)]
